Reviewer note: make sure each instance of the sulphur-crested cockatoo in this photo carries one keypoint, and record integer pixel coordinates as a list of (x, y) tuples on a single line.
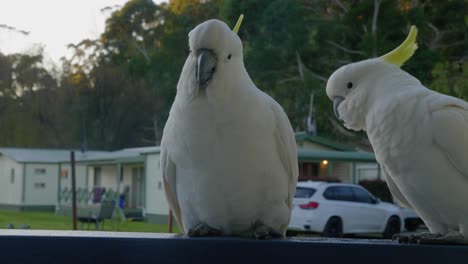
[(418, 135), (228, 152)]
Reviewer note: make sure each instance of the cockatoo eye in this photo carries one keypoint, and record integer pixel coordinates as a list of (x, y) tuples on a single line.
[(229, 56), (349, 85)]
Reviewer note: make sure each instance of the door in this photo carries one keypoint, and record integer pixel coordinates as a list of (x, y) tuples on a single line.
[(370, 214), (137, 188), (339, 201)]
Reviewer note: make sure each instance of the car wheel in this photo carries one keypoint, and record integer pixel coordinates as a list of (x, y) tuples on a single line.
[(333, 228), (393, 227)]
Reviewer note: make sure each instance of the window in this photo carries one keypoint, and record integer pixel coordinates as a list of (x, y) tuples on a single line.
[(330, 193), (64, 174), (308, 170), (304, 192), (362, 196), (97, 176), (39, 171), (339, 193), (39, 185), (12, 176)]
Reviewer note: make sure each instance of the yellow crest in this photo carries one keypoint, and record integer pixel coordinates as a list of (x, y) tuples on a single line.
[(238, 24), (403, 52)]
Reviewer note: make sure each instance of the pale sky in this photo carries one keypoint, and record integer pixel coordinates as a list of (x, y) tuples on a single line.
[(52, 23)]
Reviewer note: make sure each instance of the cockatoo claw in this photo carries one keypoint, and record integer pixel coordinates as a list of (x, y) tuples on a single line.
[(261, 232), (453, 239), (427, 238), (450, 239), (415, 238), (203, 230), (400, 238)]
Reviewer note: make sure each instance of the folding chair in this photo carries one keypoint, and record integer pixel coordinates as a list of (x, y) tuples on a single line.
[(105, 212)]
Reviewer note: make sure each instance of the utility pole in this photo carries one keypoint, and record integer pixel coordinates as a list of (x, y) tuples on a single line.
[(169, 226), (73, 178)]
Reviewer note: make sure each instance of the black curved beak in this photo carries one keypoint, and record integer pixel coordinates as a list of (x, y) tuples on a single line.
[(206, 66), (336, 102)]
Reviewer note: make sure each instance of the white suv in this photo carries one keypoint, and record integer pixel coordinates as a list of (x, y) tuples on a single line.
[(334, 209)]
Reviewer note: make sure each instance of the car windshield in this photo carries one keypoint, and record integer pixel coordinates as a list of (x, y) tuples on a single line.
[(304, 192)]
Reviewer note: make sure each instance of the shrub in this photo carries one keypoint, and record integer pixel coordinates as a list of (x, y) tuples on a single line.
[(378, 188)]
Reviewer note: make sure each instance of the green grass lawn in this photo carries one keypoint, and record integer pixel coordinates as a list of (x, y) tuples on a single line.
[(50, 221)]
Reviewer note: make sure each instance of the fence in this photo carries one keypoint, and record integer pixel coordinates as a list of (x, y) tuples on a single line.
[(34, 246), (87, 200), (85, 196)]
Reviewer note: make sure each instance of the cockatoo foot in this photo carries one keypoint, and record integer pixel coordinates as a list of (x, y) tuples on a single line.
[(416, 238), (431, 239), (202, 230), (423, 238), (400, 238), (261, 231), (450, 239)]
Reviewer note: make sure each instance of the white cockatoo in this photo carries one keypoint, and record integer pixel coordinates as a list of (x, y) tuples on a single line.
[(228, 152), (419, 136)]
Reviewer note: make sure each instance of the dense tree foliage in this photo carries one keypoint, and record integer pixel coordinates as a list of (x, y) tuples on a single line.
[(116, 91)]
